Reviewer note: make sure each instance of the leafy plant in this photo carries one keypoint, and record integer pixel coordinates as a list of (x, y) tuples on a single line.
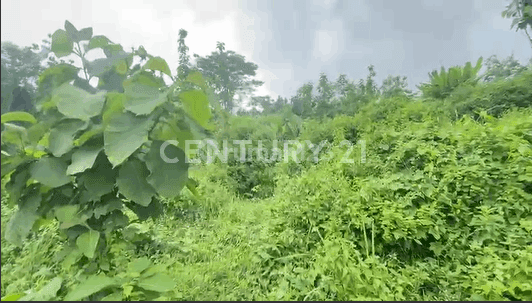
[(521, 12), (141, 281), (90, 152), (228, 73), (20, 69), (442, 84)]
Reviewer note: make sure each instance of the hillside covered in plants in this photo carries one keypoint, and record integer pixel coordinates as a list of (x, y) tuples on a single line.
[(392, 195)]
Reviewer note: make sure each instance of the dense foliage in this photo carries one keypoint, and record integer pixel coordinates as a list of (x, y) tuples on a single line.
[(435, 204)]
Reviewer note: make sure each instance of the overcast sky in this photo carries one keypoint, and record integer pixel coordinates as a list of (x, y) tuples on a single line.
[(291, 41)]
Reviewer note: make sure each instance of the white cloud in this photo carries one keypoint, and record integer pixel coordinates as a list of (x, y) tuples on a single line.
[(328, 40), (153, 24)]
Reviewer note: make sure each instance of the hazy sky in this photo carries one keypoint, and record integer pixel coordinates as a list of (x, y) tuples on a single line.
[(291, 41)]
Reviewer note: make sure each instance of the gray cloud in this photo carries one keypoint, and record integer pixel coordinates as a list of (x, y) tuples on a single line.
[(408, 38), (293, 41)]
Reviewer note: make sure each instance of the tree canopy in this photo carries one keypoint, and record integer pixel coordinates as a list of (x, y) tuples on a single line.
[(228, 73)]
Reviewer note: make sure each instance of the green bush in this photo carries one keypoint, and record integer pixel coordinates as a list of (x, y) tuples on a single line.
[(495, 98), (452, 204)]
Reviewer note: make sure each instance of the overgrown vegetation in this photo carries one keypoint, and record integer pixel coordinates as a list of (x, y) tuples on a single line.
[(436, 203)]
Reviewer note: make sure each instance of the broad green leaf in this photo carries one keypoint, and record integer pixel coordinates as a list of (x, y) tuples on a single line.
[(124, 134), (62, 44), (65, 213), (196, 104), (158, 63), (14, 134), (115, 104), (132, 182), (84, 85), (50, 172), (192, 185), (142, 95), (121, 67), (100, 179), (61, 139), (90, 286), (12, 297), (87, 243), (153, 210), (88, 134), (142, 51), (476, 297), (17, 181), (98, 42), (40, 222), (20, 226), (85, 34), (158, 282), (18, 116), (83, 159), (11, 162), (77, 103), (71, 31), (172, 130), (139, 265), (166, 177), (107, 207), (48, 292), (73, 256), (69, 215), (116, 296), (127, 290), (196, 78), (114, 221), (99, 66), (111, 81), (152, 270), (22, 221), (113, 50), (134, 229)]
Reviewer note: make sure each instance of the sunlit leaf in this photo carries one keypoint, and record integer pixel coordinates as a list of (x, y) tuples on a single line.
[(158, 63), (90, 286), (124, 134), (74, 102), (98, 42), (83, 159), (196, 104), (87, 243), (18, 116), (158, 282), (62, 44)]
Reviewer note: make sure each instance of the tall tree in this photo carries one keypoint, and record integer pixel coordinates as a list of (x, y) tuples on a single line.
[(370, 88), (303, 102), (20, 68), (442, 84), (265, 103), (341, 85), (501, 69), (228, 73), (325, 88), (280, 103), (184, 59), (521, 13), (325, 95), (394, 86)]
